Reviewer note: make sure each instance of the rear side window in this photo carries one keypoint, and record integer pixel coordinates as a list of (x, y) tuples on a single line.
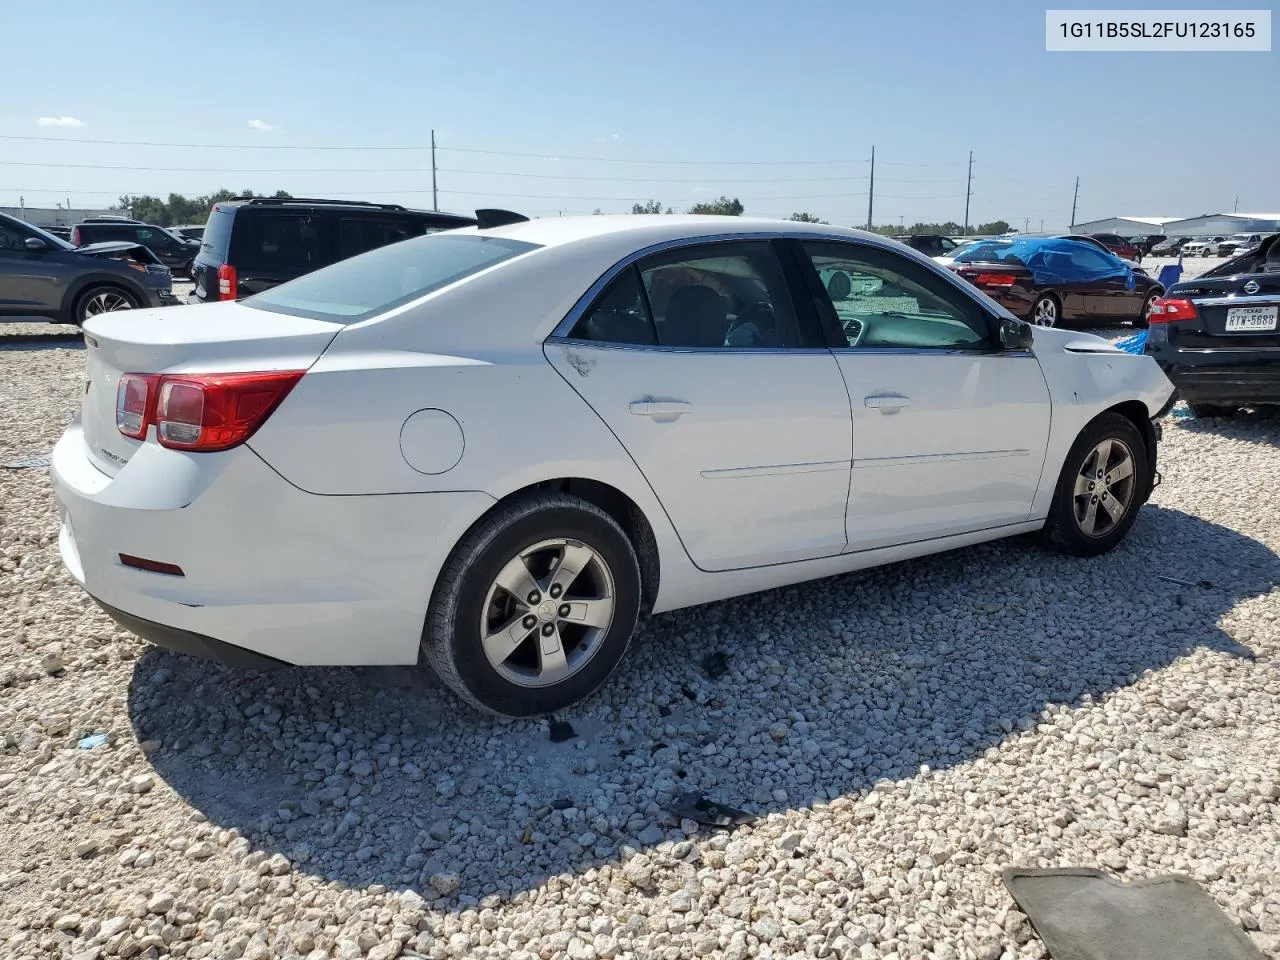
[(217, 233), (362, 287), (290, 243), (358, 234)]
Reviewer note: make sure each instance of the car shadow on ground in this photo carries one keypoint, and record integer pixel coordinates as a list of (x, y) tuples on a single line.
[(364, 776), (1252, 426)]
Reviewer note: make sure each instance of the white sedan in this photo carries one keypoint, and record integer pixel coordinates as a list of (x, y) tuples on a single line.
[(492, 449)]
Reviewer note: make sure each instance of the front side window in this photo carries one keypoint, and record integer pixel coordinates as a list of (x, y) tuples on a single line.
[(361, 287), (717, 296), (12, 240), (882, 300)]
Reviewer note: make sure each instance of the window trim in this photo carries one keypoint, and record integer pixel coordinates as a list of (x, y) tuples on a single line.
[(836, 339), (807, 321)]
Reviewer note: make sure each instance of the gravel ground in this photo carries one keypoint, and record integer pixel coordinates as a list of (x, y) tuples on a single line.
[(903, 734)]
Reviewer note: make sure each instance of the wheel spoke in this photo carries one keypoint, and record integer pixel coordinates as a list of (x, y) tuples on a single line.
[(502, 642), (1082, 484), (573, 560), (552, 663), (1103, 454), (590, 613), (1089, 522), (516, 579), (1111, 507), (1121, 470)]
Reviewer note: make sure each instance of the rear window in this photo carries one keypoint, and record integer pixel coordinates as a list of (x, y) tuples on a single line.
[(988, 252), (353, 290), (281, 243), (217, 233)]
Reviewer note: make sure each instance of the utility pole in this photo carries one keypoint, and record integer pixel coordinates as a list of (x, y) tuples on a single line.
[(435, 202), (902, 220), (1042, 224), (1236, 208), (1026, 224), (968, 192), (871, 188), (1074, 198)]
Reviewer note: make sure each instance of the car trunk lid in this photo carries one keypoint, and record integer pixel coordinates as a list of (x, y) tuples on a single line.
[(217, 338), (1235, 311)]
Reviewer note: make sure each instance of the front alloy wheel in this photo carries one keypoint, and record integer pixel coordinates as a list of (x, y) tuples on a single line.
[(106, 301), (1104, 488)]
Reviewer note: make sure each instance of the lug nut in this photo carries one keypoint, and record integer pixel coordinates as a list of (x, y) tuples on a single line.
[(548, 629), (530, 622), (564, 609), (1090, 484), (534, 597), (555, 590), (1095, 499)]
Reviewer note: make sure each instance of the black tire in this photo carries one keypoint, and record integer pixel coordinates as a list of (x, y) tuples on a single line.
[(451, 639), (1202, 411), (86, 300), (1046, 311), (1064, 531)]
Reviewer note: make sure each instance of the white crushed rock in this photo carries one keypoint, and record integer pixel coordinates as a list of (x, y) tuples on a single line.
[(905, 734)]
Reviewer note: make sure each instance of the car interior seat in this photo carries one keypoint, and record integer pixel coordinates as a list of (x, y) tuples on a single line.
[(697, 316), (1272, 262)]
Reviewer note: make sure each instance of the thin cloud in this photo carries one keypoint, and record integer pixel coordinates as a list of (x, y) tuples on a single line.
[(59, 122), (612, 138), (703, 190), (261, 126)]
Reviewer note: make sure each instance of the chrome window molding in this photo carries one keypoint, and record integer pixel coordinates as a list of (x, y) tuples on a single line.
[(1262, 299)]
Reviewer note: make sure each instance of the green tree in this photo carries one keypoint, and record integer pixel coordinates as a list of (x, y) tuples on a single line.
[(649, 206), (993, 228), (723, 207), (805, 218), (179, 209)]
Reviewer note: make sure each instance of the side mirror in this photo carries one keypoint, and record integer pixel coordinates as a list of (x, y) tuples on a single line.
[(35, 244), (1016, 335)]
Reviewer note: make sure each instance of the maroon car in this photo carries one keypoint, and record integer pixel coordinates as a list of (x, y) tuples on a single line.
[(1118, 245), (1048, 280)]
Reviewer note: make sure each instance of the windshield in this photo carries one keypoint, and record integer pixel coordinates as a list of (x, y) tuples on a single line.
[(361, 287)]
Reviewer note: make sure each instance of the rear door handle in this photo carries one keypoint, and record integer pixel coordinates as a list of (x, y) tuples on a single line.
[(663, 411), (887, 403)]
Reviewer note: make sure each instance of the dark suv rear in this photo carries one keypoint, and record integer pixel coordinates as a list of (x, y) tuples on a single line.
[(253, 244), (174, 252)]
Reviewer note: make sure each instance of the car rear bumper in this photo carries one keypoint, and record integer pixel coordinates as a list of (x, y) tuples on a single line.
[(192, 644), (1237, 383), (265, 567)]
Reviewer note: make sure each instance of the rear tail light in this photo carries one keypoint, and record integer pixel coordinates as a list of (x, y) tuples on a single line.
[(75, 236), (134, 395), (994, 280), (201, 413), (1168, 309), (226, 282)]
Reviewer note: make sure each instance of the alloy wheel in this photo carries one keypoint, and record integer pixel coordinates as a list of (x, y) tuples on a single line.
[(546, 612), (1104, 488), (1046, 312), (106, 302)]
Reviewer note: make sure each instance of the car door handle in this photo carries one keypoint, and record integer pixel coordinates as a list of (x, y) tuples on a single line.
[(660, 410), (887, 403)]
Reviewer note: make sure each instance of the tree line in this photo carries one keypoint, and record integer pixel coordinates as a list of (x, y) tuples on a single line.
[(179, 209)]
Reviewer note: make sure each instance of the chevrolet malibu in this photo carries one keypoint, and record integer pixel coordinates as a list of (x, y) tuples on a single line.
[(492, 449)]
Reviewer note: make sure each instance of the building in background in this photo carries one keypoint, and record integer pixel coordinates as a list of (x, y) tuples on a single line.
[(1125, 226), (57, 216), (1225, 224)]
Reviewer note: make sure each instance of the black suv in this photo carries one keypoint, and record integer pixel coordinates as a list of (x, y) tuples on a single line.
[(251, 244), (174, 252), (45, 277)]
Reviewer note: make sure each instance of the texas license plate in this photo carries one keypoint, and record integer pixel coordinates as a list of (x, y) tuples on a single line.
[(1251, 318)]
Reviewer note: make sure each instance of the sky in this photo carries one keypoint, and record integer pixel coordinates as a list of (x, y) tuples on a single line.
[(563, 106)]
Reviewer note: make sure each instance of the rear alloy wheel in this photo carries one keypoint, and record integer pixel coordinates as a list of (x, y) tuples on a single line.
[(1143, 320), (1202, 411), (99, 300), (1102, 485), (535, 607), (1046, 312)]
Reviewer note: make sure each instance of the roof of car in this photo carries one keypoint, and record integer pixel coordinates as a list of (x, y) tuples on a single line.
[(648, 229), (320, 203)]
